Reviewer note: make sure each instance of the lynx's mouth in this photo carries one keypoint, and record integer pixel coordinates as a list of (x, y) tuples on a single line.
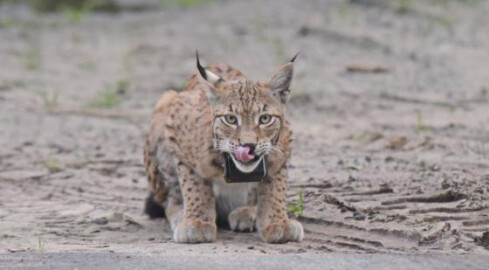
[(245, 159), (247, 166)]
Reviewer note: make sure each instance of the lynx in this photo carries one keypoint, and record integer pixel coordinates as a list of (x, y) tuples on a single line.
[(220, 117)]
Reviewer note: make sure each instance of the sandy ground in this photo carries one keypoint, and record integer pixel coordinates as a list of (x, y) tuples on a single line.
[(389, 107)]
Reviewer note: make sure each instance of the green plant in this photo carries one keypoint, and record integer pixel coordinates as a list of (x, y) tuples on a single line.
[(41, 245), (31, 57), (344, 9), (107, 98), (76, 13), (8, 85), (424, 165), (50, 100), (354, 167), (369, 43), (184, 3), (8, 22), (74, 5), (405, 6), (420, 126), (53, 165), (122, 86), (359, 136), (298, 208), (445, 21), (87, 66)]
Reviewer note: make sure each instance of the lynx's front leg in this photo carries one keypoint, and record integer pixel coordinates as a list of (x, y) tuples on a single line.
[(273, 224), (198, 224)]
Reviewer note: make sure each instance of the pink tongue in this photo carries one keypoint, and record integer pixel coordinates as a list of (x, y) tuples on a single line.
[(243, 154)]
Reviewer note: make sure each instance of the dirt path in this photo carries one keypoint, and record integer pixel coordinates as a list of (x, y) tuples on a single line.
[(390, 111)]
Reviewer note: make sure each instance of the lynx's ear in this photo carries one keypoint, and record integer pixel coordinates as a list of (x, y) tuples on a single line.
[(280, 81), (212, 80)]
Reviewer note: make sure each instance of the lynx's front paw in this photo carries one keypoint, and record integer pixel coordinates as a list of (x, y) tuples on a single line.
[(282, 232), (242, 219), (195, 231)]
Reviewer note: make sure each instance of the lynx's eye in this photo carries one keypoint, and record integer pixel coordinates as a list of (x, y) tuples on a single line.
[(231, 119), (265, 119)]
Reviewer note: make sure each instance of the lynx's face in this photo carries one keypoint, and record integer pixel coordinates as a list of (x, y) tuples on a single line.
[(248, 116)]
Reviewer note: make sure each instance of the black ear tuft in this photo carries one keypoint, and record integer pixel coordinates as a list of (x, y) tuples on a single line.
[(199, 67), (295, 56)]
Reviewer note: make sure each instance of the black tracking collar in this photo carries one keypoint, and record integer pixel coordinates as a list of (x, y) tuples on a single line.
[(234, 175)]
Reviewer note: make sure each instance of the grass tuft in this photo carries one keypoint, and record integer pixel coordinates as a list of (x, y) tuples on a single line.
[(184, 3), (31, 57), (110, 97), (122, 86), (420, 125), (405, 6), (298, 208), (41, 245), (106, 99), (50, 100), (446, 21), (87, 65), (75, 14), (344, 9), (7, 23), (74, 5), (53, 165)]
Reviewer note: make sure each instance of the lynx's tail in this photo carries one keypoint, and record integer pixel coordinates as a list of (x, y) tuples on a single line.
[(153, 209)]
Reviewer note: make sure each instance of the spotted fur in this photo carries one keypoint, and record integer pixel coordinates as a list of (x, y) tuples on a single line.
[(184, 155)]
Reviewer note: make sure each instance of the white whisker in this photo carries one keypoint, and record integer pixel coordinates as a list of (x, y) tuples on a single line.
[(276, 149)]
